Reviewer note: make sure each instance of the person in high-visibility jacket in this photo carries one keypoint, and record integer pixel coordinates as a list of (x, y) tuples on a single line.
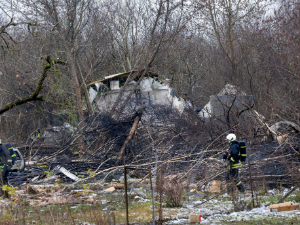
[(12, 152), (5, 166), (232, 155)]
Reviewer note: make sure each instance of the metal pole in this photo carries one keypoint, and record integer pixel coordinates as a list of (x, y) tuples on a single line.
[(126, 197), (153, 215)]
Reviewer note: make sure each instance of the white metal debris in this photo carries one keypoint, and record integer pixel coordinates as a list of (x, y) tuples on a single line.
[(65, 172), (92, 94)]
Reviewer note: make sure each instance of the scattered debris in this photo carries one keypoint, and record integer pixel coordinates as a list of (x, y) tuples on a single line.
[(97, 167), (283, 125), (195, 218), (110, 190), (119, 186), (282, 138), (65, 172), (31, 190), (287, 206), (149, 89), (53, 135), (230, 94), (66, 199), (194, 191), (215, 186)]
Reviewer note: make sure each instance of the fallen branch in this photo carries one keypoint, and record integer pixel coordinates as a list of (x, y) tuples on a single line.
[(287, 194), (141, 165), (259, 120), (133, 129)]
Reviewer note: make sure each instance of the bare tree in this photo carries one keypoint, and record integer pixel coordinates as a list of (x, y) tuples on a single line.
[(65, 21), (150, 37), (228, 22)]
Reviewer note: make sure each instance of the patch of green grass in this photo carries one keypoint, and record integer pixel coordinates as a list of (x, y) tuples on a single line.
[(295, 197), (271, 199), (139, 212), (262, 191)]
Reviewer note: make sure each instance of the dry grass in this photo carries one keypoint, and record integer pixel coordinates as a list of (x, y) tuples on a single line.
[(53, 214)]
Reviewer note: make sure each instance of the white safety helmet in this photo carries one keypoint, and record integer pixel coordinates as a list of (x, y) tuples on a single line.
[(231, 137)]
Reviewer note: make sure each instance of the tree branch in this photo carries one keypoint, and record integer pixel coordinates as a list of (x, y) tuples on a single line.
[(35, 95)]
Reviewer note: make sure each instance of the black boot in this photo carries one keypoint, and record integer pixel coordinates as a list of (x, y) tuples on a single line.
[(241, 188)]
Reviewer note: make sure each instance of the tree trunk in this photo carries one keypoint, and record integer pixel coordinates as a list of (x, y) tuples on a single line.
[(133, 129), (77, 89), (86, 94), (78, 99)]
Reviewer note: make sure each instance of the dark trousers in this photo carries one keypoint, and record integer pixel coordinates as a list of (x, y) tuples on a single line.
[(233, 176), (4, 179)]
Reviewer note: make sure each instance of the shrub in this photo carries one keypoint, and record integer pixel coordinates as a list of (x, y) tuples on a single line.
[(174, 192)]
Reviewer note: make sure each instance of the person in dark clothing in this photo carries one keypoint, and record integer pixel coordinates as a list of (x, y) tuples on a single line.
[(232, 155), (4, 180), (12, 152), (5, 166)]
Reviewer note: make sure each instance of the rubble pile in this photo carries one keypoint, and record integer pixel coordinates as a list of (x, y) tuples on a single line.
[(73, 166)]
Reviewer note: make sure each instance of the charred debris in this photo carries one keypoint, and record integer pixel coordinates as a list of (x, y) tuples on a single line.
[(186, 143)]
